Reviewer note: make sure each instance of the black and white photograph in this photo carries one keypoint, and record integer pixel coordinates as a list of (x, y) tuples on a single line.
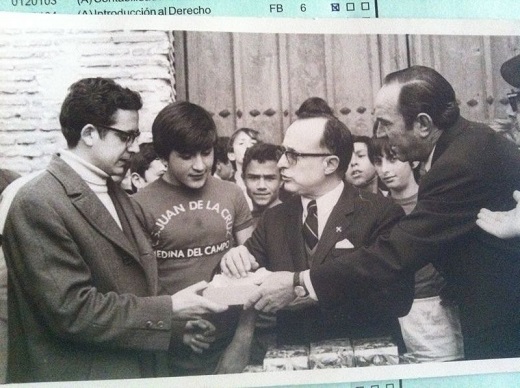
[(223, 207)]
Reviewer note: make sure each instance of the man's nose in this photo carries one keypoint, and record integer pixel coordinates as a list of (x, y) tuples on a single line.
[(133, 148), (198, 163), (282, 162), (261, 184)]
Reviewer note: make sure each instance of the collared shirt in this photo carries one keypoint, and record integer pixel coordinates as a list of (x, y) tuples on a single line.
[(94, 177), (428, 164), (324, 204)]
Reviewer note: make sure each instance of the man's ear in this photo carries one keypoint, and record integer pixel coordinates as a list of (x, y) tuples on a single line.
[(89, 134), (137, 180), (423, 125), (231, 156), (331, 164)]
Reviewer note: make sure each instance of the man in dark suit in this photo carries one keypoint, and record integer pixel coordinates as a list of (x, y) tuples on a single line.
[(507, 224), (339, 218), (82, 276), (468, 167)]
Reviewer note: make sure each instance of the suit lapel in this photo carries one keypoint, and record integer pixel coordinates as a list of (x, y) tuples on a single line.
[(293, 233), (89, 206), (337, 225), (447, 138)]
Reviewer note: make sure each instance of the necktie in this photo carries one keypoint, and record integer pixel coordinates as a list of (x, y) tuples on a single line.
[(310, 226)]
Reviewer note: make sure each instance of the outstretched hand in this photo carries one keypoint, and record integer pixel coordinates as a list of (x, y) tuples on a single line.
[(501, 224), (237, 262), (275, 292), (189, 304)]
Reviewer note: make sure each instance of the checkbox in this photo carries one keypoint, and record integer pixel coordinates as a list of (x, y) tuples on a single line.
[(334, 7), (365, 6), (351, 7)]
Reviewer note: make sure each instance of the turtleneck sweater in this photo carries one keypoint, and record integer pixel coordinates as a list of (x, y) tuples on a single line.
[(94, 177)]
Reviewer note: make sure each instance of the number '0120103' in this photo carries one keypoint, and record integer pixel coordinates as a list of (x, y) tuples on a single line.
[(32, 3)]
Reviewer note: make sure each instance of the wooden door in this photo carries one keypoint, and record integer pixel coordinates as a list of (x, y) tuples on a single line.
[(260, 80)]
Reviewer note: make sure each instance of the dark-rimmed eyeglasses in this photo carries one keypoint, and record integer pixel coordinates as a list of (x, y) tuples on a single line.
[(127, 137), (513, 100), (292, 156)]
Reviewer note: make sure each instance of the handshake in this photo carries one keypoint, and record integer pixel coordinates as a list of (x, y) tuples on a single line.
[(274, 291)]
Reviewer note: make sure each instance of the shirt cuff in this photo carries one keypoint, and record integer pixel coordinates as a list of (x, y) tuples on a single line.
[(307, 281)]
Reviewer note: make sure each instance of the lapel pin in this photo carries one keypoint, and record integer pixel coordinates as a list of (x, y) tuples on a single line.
[(338, 229)]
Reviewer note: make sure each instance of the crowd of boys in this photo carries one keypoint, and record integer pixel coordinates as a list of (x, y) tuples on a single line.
[(361, 237)]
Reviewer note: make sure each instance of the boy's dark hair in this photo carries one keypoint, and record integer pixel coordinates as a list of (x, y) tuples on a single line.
[(221, 149), (252, 133), (381, 148), (314, 107), (220, 152), (140, 162), (94, 101), (369, 143), (262, 152), (184, 127)]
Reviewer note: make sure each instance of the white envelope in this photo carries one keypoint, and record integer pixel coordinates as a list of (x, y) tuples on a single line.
[(233, 291), (344, 244)]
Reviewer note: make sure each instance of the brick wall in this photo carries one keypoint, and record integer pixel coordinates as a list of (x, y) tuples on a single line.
[(37, 67)]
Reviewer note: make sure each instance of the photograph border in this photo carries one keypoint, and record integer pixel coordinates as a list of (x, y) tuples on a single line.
[(293, 26)]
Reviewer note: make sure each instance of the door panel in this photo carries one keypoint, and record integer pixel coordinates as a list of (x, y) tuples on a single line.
[(260, 80)]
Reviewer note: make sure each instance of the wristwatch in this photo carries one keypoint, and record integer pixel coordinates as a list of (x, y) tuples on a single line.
[(299, 286)]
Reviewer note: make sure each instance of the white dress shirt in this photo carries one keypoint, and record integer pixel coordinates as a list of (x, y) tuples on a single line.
[(324, 204), (428, 163)]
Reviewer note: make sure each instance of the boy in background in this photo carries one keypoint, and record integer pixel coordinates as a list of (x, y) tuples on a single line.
[(263, 181), (262, 177), (431, 330), (145, 167), (222, 166), (240, 141), (361, 171)]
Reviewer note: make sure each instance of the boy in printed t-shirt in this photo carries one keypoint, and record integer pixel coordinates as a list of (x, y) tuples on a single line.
[(193, 219)]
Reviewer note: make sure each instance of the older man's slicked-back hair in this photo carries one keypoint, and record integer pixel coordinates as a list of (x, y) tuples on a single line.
[(314, 107), (184, 127), (338, 140), (424, 90), (94, 101)]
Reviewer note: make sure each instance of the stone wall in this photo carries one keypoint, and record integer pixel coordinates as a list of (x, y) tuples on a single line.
[(37, 67)]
